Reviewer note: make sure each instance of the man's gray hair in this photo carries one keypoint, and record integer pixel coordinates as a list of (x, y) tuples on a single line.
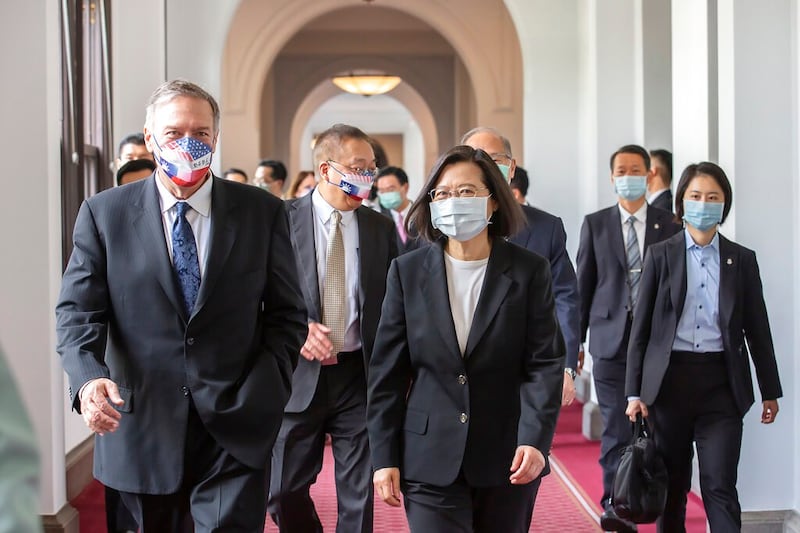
[(170, 90), (492, 131)]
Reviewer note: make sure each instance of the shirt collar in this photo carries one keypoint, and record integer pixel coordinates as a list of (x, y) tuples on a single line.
[(324, 210), (640, 214), (200, 201), (714, 244)]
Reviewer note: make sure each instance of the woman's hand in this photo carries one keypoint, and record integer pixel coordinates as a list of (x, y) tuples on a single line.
[(769, 411), (526, 466), (635, 407), (387, 483)]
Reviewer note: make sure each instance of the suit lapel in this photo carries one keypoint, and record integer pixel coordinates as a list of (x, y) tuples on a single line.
[(676, 258), (366, 233), (656, 226), (150, 229), (728, 269), (616, 239), (222, 236), (433, 290), (301, 219), (495, 287)]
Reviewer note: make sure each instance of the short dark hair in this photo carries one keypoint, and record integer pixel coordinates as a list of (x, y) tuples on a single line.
[(707, 169), (506, 221), (234, 170), (381, 159), (134, 165), (278, 168), (328, 143), (133, 138), (632, 149), (520, 181), (402, 177), (665, 158)]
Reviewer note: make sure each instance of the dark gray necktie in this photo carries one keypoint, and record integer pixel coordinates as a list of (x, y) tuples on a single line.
[(184, 257)]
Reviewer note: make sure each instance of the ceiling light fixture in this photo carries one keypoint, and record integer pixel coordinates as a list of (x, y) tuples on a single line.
[(366, 84)]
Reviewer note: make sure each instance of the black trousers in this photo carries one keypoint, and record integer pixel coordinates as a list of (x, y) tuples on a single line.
[(339, 407), (460, 508), (695, 404), (218, 492), (609, 382)]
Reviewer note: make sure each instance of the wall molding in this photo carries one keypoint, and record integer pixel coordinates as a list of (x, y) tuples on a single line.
[(79, 463), (66, 520), (771, 522)]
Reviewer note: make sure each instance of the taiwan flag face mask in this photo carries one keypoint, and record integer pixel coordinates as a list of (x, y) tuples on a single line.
[(186, 160), (357, 185)]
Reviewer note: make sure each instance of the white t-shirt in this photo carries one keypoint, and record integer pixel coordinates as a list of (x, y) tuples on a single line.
[(464, 284)]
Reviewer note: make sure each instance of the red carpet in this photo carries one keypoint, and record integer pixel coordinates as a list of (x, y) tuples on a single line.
[(567, 501)]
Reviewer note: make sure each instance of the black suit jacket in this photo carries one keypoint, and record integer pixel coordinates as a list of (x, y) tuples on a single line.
[(603, 276), (434, 413), (377, 246), (120, 316), (545, 236), (412, 236), (664, 201), (742, 316)]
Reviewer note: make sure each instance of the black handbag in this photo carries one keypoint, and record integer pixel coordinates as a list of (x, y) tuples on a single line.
[(640, 486)]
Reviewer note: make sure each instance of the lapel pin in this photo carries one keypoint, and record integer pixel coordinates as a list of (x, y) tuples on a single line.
[(729, 261), (656, 226)]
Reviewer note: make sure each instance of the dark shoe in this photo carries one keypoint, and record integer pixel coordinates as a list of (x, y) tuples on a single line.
[(609, 521)]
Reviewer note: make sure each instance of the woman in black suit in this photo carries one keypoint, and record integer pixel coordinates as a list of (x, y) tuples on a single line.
[(688, 368), (465, 379)]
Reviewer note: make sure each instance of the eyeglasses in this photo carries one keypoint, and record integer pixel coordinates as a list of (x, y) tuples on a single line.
[(369, 173), (462, 191), (500, 158)]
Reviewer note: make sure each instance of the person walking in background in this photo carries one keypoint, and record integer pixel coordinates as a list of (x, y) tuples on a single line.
[(700, 314), (235, 174), (178, 324), (543, 234), (612, 244), (302, 184), (468, 331), (659, 193), (19, 461), (131, 148), (343, 252), (270, 175), (392, 185)]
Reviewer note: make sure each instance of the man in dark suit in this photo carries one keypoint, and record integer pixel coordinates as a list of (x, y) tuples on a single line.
[(343, 250), (392, 186), (544, 235), (612, 244), (179, 323), (659, 193)]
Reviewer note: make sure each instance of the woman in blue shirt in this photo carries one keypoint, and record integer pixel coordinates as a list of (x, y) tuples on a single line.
[(688, 368)]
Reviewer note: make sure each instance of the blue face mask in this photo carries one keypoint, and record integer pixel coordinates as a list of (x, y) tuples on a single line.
[(460, 218), (630, 187), (505, 169), (702, 215), (390, 200)]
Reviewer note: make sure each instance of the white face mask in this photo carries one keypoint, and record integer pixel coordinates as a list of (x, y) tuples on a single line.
[(460, 218)]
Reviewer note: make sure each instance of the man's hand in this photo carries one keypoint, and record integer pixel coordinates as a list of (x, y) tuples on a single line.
[(97, 412), (387, 484), (635, 407), (526, 466), (317, 346), (567, 390)]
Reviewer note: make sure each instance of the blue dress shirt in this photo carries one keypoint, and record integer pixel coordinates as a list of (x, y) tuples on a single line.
[(698, 328)]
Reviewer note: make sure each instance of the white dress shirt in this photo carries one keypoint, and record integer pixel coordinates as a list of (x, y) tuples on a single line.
[(322, 219), (199, 217), (640, 224)]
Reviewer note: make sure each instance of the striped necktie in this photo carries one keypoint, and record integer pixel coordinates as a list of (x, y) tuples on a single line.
[(634, 261)]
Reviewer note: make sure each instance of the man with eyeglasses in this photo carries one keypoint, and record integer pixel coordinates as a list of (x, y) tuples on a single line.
[(343, 252)]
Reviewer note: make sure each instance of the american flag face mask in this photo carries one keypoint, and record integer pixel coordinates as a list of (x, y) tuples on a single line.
[(186, 160)]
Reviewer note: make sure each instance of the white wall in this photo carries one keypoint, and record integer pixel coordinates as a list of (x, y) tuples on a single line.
[(30, 225)]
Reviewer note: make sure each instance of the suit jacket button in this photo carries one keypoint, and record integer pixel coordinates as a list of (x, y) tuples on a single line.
[(185, 391), (463, 418), (462, 379), (190, 341)]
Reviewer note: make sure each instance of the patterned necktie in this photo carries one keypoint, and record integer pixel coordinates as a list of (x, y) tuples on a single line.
[(334, 304), (184, 257), (401, 229), (634, 261)]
